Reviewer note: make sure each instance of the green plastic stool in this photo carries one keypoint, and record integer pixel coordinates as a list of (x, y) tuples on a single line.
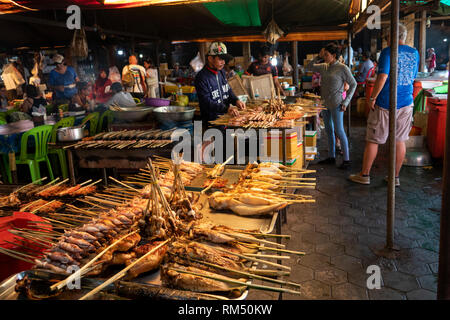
[(60, 152), (93, 122), (109, 116), (41, 137)]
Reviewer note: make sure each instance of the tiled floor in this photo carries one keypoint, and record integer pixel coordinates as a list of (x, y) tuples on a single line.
[(342, 232)]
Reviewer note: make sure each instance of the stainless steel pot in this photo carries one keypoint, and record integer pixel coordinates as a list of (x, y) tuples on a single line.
[(70, 133), (172, 113)]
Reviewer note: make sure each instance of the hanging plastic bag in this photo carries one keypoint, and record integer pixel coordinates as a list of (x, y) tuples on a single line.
[(273, 32), (114, 74), (197, 63), (79, 44), (287, 68)]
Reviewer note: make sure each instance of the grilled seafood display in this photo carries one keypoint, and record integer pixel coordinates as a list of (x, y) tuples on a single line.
[(163, 230)]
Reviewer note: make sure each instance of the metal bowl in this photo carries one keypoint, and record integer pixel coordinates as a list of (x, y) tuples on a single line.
[(417, 157), (132, 114), (174, 114)]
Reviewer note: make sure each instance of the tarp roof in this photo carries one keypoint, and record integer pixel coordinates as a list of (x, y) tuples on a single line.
[(175, 22)]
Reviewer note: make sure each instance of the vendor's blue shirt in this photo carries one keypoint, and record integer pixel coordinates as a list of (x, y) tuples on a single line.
[(58, 79), (408, 65)]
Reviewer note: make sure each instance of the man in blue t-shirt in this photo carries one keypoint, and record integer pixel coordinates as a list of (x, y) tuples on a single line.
[(378, 120), (62, 81)]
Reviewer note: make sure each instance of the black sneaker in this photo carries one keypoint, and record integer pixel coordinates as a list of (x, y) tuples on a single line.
[(345, 165), (328, 161)]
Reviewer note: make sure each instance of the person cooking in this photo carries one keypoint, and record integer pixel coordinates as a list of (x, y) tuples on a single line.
[(62, 81), (81, 100), (214, 93), (120, 98), (263, 66)]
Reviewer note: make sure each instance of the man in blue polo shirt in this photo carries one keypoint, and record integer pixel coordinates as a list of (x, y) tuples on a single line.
[(378, 120)]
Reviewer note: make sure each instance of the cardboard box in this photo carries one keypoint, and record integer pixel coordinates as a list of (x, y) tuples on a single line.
[(293, 149), (310, 138)]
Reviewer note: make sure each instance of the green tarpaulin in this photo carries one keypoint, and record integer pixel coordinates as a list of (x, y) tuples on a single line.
[(239, 13)]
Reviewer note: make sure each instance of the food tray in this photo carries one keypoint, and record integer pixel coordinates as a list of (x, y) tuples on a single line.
[(231, 173), (264, 224)]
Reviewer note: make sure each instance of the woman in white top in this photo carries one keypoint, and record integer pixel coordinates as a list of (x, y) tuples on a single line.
[(151, 78)]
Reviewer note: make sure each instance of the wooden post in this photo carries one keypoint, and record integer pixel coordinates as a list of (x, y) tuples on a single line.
[(395, 9), (409, 24), (373, 42), (295, 63), (423, 40), (443, 291), (246, 52), (202, 50)]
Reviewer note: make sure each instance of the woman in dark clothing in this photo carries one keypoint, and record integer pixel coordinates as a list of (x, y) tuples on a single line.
[(34, 99), (102, 87)]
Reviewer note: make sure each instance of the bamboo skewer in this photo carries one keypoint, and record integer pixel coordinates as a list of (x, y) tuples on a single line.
[(123, 184), (38, 233), (22, 246), (254, 259), (300, 253), (249, 285), (44, 205), (122, 190), (110, 202), (6, 252), (78, 210), (40, 241), (62, 283), (267, 256), (267, 235), (34, 182), (124, 195), (242, 237), (54, 185), (108, 196), (60, 222), (122, 273), (249, 274), (92, 204), (20, 253), (28, 205)]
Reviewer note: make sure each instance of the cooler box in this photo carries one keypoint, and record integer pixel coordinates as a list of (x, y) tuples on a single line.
[(436, 126), (310, 138)]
